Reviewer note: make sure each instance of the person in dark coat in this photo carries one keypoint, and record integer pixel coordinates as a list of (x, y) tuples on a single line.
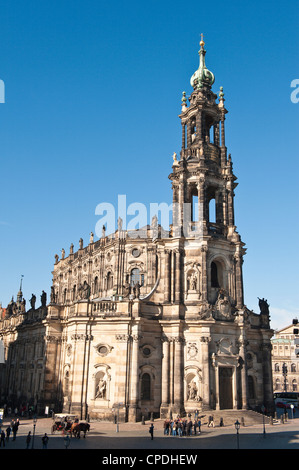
[(151, 431), (2, 438)]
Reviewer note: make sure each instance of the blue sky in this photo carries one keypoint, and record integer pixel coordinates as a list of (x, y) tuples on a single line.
[(92, 96)]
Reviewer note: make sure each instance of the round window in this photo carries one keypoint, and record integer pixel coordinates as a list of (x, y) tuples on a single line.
[(146, 351), (103, 350), (135, 252)]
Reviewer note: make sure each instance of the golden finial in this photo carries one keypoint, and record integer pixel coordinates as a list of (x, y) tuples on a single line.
[(202, 41)]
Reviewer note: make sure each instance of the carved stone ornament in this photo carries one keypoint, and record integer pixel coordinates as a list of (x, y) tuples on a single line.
[(192, 350), (223, 307)]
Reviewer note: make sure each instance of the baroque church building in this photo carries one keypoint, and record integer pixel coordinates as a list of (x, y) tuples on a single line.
[(150, 321)]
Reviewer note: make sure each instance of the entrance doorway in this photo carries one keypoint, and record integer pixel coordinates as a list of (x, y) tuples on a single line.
[(225, 388)]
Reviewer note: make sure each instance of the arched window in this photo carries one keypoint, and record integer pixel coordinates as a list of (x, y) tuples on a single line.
[(214, 275), (251, 390), (136, 277), (212, 211), (66, 382), (95, 285), (294, 385), (109, 280), (146, 387), (276, 367), (64, 295), (277, 384)]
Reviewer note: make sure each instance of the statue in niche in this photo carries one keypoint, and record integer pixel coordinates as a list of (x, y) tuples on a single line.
[(192, 391), (32, 301), (192, 281), (101, 388)]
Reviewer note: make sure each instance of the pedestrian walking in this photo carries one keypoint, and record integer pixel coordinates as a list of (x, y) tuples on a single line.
[(28, 439), (211, 422), (45, 440), (199, 425), (2, 438), (8, 431), (151, 431), (14, 431)]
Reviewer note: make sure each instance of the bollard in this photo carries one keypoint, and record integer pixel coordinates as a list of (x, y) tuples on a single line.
[(142, 420), (271, 419), (286, 416), (243, 421), (282, 419)]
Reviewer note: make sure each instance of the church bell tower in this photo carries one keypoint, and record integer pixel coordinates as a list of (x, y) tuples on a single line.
[(203, 186)]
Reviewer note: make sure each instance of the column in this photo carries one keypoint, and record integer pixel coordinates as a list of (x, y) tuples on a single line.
[(239, 280), (183, 136), (165, 374), (243, 371), (178, 375), (172, 278), (204, 286), (199, 126), (205, 370), (177, 276), (134, 379), (167, 276)]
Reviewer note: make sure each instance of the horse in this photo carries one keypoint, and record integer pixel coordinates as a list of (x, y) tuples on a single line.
[(78, 427)]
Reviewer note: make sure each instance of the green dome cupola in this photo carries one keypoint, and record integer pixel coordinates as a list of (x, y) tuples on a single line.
[(202, 76)]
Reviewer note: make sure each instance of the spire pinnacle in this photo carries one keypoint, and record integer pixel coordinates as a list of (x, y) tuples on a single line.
[(202, 76)]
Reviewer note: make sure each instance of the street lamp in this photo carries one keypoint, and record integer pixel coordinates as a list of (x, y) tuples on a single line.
[(237, 426), (264, 428), (285, 373), (34, 424)]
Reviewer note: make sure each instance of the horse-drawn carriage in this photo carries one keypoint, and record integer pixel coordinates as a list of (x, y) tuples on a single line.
[(63, 422), (67, 423)]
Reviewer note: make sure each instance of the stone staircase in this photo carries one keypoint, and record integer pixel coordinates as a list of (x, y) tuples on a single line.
[(245, 417)]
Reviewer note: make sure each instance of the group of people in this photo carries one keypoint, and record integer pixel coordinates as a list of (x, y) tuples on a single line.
[(11, 428), (45, 440), (182, 427)]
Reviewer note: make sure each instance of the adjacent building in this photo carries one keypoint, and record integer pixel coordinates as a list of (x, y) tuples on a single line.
[(151, 321), (285, 359)]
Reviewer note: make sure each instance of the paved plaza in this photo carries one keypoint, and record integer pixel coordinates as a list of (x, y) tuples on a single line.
[(104, 436)]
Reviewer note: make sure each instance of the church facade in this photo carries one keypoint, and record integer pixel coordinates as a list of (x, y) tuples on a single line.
[(151, 322)]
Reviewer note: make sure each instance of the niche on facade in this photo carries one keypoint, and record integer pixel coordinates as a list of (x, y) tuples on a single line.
[(102, 380), (192, 281), (147, 383), (193, 385), (217, 274)]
